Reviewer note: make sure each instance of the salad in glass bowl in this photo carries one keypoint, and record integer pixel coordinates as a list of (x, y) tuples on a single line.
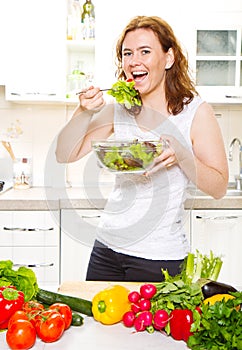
[(128, 156)]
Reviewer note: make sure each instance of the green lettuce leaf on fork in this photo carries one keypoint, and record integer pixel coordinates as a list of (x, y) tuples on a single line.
[(125, 93)]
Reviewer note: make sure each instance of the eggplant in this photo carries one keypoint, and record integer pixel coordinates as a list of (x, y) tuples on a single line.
[(210, 288)]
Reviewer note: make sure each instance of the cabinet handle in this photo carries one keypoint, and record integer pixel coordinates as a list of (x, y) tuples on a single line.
[(28, 229), (233, 96), (90, 216), (229, 217), (35, 265)]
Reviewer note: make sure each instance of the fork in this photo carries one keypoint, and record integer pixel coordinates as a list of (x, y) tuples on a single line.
[(83, 91)]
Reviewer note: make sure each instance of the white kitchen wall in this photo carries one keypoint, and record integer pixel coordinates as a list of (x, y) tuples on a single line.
[(40, 125)]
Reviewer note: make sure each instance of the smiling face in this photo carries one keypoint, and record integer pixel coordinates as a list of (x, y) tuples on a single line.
[(144, 60)]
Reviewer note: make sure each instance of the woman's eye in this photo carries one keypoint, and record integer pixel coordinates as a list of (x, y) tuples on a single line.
[(127, 53), (145, 52)]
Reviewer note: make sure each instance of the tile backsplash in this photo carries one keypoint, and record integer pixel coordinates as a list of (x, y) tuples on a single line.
[(42, 122)]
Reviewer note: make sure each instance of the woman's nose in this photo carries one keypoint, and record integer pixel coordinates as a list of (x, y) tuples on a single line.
[(135, 60)]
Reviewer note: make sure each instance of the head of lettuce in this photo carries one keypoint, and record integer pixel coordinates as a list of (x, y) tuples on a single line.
[(23, 278)]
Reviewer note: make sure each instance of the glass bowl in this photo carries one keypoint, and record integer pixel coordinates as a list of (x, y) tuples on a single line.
[(127, 156)]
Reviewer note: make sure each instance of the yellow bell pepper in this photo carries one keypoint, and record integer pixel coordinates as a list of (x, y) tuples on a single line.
[(110, 304), (218, 297)]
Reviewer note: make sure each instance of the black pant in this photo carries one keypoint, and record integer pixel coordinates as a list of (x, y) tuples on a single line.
[(107, 265)]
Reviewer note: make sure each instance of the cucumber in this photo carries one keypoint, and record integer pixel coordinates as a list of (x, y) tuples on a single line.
[(76, 304), (77, 319)]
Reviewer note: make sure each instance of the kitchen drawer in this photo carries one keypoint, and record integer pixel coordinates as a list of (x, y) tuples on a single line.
[(32, 237), (46, 257), (28, 228), (34, 255)]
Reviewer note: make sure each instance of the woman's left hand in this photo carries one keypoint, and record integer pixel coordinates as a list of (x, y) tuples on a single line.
[(171, 155)]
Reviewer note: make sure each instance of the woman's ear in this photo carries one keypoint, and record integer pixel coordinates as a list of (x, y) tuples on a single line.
[(169, 58)]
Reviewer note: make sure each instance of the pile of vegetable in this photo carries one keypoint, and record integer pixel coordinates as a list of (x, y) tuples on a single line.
[(125, 93), (25, 318), (192, 307)]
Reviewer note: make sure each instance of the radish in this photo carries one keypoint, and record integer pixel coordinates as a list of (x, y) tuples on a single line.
[(148, 290), (135, 308), (139, 325), (161, 318), (134, 297), (146, 317), (128, 319), (143, 320), (145, 304)]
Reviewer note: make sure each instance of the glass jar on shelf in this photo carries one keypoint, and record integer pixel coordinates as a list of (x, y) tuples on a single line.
[(88, 20), (22, 173), (76, 80)]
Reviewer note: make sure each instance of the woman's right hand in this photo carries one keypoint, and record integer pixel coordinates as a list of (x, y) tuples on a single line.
[(91, 99)]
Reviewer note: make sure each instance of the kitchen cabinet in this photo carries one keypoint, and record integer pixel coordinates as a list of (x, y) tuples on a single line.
[(32, 238), (219, 231), (36, 50), (78, 229), (79, 67), (219, 62), (43, 66)]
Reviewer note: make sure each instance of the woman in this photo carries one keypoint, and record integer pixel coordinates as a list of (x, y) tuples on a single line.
[(142, 230)]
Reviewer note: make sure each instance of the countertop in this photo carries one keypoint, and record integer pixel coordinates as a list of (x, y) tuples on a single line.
[(45, 198), (93, 335)]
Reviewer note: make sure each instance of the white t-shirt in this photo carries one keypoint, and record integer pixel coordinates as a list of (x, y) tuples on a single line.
[(145, 216)]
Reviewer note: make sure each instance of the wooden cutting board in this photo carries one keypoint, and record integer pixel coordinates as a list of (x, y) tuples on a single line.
[(88, 289)]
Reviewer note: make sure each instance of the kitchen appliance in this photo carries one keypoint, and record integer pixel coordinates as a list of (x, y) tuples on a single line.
[(5, 186)]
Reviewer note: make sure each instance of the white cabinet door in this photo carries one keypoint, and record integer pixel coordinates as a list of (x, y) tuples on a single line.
[(32, 238), (220, 231), (36, 54), (78, 228)]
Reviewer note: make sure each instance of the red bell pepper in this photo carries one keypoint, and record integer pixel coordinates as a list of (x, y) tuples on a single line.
[(11, 300), (180, 324)]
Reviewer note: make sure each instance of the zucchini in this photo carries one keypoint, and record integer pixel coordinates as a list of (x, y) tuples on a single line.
[(77, 319), (76, 304), (210, 288)]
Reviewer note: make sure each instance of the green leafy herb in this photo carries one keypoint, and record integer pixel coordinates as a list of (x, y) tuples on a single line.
[(218, 326), (125, 93), (184, 290), (24, 279), (176, 295)]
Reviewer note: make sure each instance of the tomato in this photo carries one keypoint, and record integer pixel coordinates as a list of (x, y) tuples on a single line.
[(65, 312), (18, 315), (21, 335), (49, 326), (28, 306), (33, 316)]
